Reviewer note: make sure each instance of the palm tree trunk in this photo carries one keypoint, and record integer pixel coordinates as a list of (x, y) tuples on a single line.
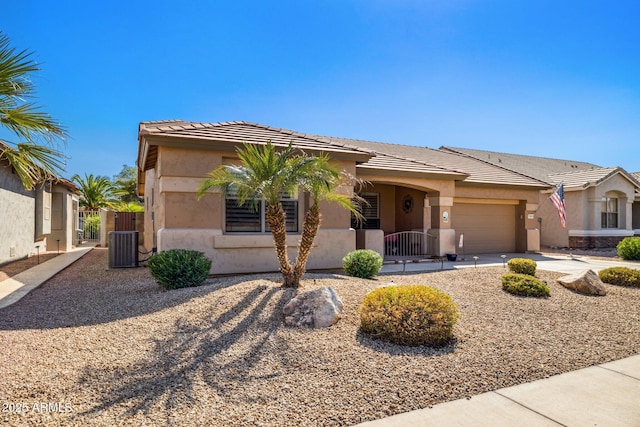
[(311, 225), (277, 220)]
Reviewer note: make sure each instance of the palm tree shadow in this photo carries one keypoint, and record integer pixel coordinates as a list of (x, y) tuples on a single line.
[(169, 375)]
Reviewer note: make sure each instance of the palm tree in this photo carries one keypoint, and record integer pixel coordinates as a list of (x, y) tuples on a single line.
[(32, 162), (266, 174), (97, 192), (122, 206)]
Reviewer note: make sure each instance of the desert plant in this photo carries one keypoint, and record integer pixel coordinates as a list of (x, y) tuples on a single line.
[(179, 268), (34, 157), (363, 263), (524, 285), (266, 173), (621, 276), (522, 266), (409, 315), (629, 248)]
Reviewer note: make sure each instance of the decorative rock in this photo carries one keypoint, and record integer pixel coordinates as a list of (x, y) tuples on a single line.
[(586, 282), (319, 308), (384, 285)]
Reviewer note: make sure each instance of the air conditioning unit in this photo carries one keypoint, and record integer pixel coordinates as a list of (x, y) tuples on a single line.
[(123, 249)]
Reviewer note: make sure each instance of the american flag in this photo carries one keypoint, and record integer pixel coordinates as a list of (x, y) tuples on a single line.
[(557, 198)]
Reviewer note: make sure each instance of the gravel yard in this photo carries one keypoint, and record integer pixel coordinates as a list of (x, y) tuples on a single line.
[(109, 347)]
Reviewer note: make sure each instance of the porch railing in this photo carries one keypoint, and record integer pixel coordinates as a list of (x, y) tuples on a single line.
[(410, 244)]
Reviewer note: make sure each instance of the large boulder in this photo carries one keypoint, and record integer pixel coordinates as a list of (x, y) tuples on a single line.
[(319, 308), (586, 282)]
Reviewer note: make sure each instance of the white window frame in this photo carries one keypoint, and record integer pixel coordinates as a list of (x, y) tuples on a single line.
[(609, 218)]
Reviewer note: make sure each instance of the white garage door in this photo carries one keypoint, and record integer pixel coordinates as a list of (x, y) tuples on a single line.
[(486, 228)]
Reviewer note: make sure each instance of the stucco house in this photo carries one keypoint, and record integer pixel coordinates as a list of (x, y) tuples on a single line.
[(439, 193), (35, 220), (602, 203)]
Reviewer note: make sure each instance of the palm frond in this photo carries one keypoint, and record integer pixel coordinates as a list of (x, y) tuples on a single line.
[(26, 121), (97, 191), (33, 163)]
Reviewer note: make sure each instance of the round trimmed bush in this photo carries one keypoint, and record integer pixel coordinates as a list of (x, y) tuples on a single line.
[(621, 276), (363, 263), (179, 268), (524, 285), (409, 315), (629, 248), (522, 266)]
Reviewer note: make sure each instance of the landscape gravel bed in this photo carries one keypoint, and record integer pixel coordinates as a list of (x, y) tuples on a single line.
[(110, 347)]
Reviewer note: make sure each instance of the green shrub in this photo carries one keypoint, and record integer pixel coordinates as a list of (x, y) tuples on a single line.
[(629, 248), (621, 276), (179, 268), (409, 315), (522, 266), (525, 285), (363, 263)]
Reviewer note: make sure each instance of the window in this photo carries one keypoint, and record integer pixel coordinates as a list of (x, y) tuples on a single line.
[(370, 211), (609, 212), (250, 218)]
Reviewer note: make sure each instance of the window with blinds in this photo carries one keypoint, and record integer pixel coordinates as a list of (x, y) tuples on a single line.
[(370, 210), (250, 218), (245, 218), (609, 212)]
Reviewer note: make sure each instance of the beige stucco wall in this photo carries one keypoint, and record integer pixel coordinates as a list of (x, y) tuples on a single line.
[(247, 253), (386, 205), (43, 210), (583, 211), (414, 219), (17, 212), (63, 220), (182, 221)]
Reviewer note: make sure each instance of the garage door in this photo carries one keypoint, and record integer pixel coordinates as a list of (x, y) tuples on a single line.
[(486, 228)]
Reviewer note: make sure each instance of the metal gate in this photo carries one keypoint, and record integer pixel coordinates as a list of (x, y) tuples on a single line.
[(89, 226), (406, 244)]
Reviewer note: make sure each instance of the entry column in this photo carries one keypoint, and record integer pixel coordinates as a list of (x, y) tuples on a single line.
[(444, 237)]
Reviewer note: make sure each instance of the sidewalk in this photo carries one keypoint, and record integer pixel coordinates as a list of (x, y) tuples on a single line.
[(16, 287), (603, 395)]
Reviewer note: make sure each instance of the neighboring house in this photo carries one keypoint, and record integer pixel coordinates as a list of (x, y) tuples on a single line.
[(436, 192), (35, 220), (602, 204)]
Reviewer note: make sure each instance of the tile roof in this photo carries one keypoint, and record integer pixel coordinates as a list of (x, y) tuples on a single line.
[(571, 173), (374, 155), (535, 167), (476, 171), (583, 178), (239, 132)]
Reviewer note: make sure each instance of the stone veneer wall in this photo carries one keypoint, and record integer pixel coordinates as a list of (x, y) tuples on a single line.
[(591, 242)]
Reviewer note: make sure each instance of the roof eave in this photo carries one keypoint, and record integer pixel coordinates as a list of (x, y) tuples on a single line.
[(532, 186), (410, 173), (187, 141)]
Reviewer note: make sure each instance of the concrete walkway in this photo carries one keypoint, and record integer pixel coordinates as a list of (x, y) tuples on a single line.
[(16, 287), (560, 263), (603, 395)]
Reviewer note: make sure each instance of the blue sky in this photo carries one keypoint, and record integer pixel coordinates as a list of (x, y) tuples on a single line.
[(545, 78)]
